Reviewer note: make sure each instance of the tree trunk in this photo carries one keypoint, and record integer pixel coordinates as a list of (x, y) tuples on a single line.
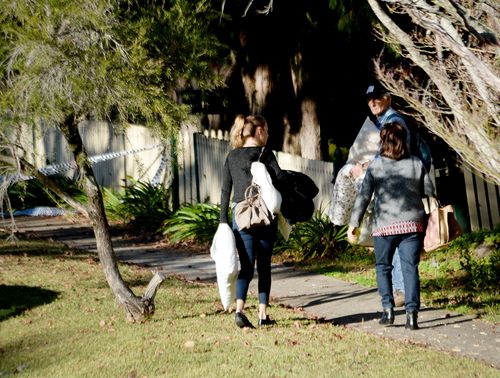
[(269, 67), (137, 309), (310, 139)]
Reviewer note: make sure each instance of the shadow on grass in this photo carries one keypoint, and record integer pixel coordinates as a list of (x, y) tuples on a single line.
[(39, 248), (15, 299)]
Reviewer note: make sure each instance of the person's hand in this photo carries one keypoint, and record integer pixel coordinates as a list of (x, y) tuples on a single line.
[(351, 234), (357, 170)]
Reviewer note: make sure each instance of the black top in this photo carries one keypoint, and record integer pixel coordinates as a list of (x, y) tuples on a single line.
[(237, 175)]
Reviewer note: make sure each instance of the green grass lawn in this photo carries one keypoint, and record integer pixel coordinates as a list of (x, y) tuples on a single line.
[(58, 318), (443, 281)]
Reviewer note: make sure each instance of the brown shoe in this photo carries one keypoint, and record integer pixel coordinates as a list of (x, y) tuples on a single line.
[(399, 298)]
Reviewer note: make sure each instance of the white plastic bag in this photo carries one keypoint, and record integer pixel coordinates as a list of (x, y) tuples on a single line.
[(270, 195), (223, 252)]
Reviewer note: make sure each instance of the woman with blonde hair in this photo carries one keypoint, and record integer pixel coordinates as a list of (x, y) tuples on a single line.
[(248, 138)]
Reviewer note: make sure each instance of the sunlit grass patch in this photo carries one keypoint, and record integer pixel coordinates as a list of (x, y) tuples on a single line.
[(82, 332)]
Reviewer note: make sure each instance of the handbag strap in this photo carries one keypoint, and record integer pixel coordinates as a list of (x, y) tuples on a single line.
[(253, 182), (432, 204), (261, 152), (249, 196)]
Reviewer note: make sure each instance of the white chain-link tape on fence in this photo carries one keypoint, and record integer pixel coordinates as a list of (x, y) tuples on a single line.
[(163, 164), (55, 169)]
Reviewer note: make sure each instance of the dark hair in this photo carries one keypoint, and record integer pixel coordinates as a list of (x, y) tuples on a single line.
[(393, 141)]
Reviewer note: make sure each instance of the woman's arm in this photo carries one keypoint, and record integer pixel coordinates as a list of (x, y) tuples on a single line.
[(362, 199), (227, 185), (272, 165)]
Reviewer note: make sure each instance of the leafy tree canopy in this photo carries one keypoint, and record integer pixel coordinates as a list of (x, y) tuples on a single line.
[(98, 59)]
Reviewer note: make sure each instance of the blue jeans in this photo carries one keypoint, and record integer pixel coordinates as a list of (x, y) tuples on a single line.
[(255, 245), (409, 246), (397, 274)]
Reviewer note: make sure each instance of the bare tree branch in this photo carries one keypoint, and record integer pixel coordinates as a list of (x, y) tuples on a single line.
[(456, 46), (265, 10), (25, 168)]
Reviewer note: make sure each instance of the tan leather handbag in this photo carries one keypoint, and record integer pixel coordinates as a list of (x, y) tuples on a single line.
[(442, 227), (252, 211)]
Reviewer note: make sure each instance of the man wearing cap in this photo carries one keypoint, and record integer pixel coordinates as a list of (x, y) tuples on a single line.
[(350, 176), (379, 102)]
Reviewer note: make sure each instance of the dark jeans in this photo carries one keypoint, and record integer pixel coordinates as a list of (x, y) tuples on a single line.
[(255, 245), (409, 252)]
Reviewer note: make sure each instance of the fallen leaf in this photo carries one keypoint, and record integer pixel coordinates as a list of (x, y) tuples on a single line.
[(20, 368)]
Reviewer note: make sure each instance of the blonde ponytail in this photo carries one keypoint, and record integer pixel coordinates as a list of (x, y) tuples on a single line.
[(235, 135), (243, 128)]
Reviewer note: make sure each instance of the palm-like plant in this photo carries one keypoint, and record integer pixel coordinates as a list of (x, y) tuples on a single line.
[(145, 204), (315, 238), (197, 222), (113, 205)]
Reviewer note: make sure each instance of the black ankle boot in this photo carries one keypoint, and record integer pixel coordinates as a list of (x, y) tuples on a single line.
[(267, 321), (387, 316), (411, 320), (242, 321)]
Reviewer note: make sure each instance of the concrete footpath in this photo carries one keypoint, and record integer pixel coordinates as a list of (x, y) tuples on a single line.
[(333, 300)]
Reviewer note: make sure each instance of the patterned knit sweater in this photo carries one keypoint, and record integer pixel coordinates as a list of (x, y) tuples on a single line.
[(398, 187)]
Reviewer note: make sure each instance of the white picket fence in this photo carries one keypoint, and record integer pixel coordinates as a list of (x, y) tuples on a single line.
[(199, 165), (134, 154), (200, 174)]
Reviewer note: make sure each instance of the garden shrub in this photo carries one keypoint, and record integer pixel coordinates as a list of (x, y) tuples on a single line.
[(32, 193), (196, 222), (142, 205), (317, 237), (480, 258)]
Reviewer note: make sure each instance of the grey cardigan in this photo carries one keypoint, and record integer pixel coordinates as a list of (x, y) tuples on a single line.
[(398, 187)]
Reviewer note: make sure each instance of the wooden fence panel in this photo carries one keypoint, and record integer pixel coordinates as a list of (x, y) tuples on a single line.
[(211, 154), (186, 166), (482, 200), (46, 146), (493, 204), (482, 197)]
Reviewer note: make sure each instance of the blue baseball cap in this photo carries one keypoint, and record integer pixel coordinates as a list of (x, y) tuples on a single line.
[(375, 91)]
